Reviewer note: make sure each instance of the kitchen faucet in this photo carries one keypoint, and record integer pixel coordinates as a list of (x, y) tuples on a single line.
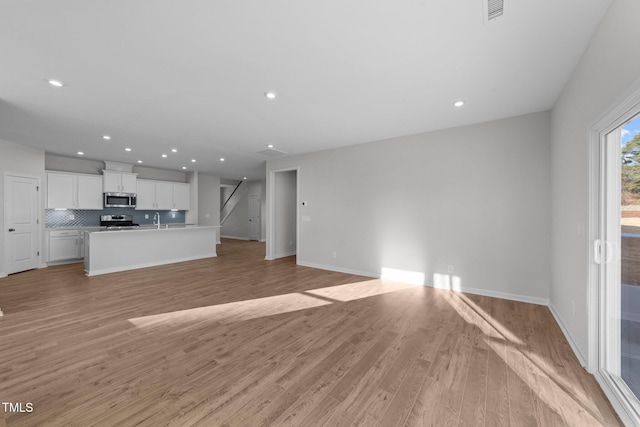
[(156, 216)]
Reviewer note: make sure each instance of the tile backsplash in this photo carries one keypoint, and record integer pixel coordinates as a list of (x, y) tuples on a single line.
[(91, 218)]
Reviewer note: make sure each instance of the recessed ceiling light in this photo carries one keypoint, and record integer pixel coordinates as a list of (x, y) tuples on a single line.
[(270, 95), (80, 153), (107, 137), (56, 83), (164, 155), (127, 149), (244, 177), (222, 159), (458, 104), (193, 160), (184, 167), (174, 150), (139, 161), (270, 146)]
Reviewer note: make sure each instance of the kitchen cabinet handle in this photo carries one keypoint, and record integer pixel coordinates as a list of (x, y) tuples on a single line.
[(12, 229)]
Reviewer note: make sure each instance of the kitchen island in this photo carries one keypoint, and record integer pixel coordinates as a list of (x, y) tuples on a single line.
[(112, 251)]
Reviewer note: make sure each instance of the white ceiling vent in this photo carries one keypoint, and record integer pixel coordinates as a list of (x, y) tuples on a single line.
[(272, 152), (493, 9)]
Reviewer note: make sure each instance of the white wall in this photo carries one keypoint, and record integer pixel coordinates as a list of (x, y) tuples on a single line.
[(609, 66), (285, 214), (21, 159), (474, 197), (209, 200)]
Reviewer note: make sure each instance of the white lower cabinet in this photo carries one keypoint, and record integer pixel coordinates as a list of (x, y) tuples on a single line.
[(65, 245)]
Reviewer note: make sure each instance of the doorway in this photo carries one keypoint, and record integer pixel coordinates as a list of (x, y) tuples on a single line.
[(282, 230), (254, 217), (21, 223), (614, 293)]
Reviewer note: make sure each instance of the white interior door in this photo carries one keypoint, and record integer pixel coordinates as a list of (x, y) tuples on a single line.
[(21, 223), (254, 217)]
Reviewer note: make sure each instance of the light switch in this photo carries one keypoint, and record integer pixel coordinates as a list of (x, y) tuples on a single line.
[(306, 218)]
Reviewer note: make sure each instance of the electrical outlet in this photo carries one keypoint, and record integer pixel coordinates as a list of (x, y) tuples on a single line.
[(146, 216), (207, 215), (173, 215), (72, 217), (450, 269), (573, 308), (335, 254)]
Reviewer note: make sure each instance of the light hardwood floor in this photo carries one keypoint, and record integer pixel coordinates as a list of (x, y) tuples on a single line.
[(237, 340)]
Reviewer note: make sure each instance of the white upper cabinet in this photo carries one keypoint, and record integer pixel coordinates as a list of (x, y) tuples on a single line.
[(161, 195), (90, 192), (182, 197), (164, 195), (146, 198), (119, 182), (73, 191), (61, 190)]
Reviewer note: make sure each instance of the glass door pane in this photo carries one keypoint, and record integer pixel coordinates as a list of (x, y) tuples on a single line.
[(629, 291)]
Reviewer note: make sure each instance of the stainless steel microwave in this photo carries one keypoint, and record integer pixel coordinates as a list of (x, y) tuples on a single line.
[(119, 200)]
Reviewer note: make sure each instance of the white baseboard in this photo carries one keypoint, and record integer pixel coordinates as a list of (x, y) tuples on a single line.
[(567, 335), (43, 265), (69, 261), (234, 237), (263, 240), (2, 275), (476, 291), (626, 413), (339, 269), (284, 255), (146, 265), (498, 294)]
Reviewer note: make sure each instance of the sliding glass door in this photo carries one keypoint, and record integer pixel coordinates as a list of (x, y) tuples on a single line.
[(618, 253)]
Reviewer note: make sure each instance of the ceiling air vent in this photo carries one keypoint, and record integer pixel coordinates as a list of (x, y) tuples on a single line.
[(494, 9), (272, 152)]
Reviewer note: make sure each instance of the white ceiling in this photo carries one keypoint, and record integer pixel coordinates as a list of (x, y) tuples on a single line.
[(191, 74)]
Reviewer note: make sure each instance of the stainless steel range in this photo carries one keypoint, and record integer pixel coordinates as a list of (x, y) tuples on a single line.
[(117, 222)]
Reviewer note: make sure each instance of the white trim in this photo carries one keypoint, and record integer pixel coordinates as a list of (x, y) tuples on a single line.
[(2, 275), (233, 237), (497, 294), (148, 264), (43, 265), (627, 414), (284, 255), (262, 240), (339, 269), (63, 262), (476, 291), (568, 336)]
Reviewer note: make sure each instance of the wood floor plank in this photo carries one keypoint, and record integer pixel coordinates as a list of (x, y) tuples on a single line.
[(237, 340)]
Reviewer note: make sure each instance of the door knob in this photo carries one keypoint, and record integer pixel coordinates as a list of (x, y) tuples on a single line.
[(12, 229)]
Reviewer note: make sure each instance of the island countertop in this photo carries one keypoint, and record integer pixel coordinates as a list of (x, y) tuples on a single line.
[(119, 250)]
